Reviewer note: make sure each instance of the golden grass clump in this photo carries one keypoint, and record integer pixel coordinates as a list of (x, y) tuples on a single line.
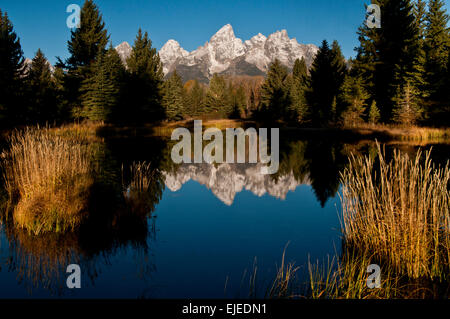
[(48, 176), (398, 211)]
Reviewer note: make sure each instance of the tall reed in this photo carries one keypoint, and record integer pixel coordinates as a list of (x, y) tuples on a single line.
[(48, 177), (398, 210), (140, 191)]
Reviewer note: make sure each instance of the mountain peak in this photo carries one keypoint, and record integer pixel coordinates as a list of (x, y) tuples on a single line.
[(124, 50), (226, 29), (170, 52), (280, 35), (225, 34), (123, 45)]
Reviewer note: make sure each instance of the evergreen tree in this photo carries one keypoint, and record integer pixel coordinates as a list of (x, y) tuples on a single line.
[(42, 90), (64, 110), (101, 91), (11, 72), (420, 13), (144, 82), (274, 92), (406, 111), (298, 108), (354, 96), (300, 71), (238, 102), (172, 99), (338, 66), (417, 76), (89, 39), (374, 113), (216, 96), (85, 44), (437, 44), (196, 100), (322, 86)]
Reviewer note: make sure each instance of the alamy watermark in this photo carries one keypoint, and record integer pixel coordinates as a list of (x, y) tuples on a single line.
[(214, 151), (74, 279), (374, 17), (374, 279), (73, 20)]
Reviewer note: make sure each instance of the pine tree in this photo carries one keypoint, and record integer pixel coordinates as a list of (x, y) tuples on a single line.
[(437, 44), (84, 46), (274, 92), (338, 66), (42, 90), (418, 75), (11, 72), (354, 96), (300, 71), (89, 39), (145, 81), (374, 113), (172, 99), (367, 54), (298, 107), (195, 100), (406, 111), (216, 96), (322, 86), (101, 91), (116, 71), (238, 102), (420, 13)]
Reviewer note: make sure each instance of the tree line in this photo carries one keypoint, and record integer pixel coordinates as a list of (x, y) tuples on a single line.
[(401, 74)]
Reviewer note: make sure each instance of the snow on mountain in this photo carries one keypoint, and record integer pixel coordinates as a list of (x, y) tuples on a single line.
[(224, 53), (169, 54), (226, 180), (124, 51)]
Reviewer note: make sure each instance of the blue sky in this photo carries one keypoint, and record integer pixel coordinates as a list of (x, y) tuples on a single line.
[(42, 24)]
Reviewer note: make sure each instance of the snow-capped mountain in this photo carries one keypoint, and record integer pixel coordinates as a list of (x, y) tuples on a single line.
[(226, 54), (226, 180), (124, 51)]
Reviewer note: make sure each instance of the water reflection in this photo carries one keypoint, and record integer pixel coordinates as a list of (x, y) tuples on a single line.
[(131, 176), (301, 163)]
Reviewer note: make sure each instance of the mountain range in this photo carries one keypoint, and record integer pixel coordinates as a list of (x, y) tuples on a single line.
[(227, 55), (226, 180)]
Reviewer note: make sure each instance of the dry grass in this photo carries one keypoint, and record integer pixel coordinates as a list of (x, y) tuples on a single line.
[(282, 285), (347, 279), (48, 176), (394, 214), (400, 211), (413, 133)]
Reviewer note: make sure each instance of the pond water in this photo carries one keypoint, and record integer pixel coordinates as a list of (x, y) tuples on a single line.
[(198, 232)]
